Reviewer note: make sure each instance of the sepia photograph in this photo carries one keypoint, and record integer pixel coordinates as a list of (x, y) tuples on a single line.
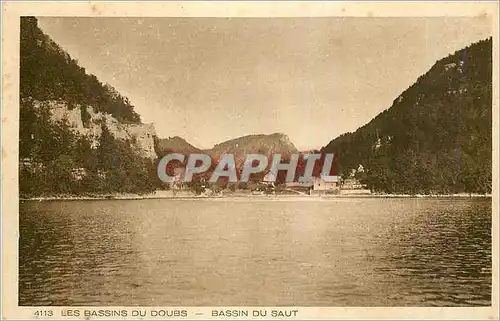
[(253, 161)]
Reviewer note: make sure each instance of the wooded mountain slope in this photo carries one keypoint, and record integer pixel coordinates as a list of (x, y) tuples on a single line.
[(49, 73), (437, 135), (55, 158)]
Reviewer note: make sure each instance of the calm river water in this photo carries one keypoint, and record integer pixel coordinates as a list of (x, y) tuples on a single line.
[(265, 252)]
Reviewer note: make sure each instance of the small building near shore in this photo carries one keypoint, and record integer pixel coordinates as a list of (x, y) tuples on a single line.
[(299, 184), (326, 183), (269, 179), (351, 184), (178, 177)]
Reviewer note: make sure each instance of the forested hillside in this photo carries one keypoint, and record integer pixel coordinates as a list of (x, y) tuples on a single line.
[(58, 157), (49, 73), (436, 137)]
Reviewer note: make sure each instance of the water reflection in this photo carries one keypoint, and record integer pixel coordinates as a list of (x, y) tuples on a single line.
[(346, 252)]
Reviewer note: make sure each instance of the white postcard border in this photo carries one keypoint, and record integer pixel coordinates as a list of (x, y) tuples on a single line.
[(10, 135)]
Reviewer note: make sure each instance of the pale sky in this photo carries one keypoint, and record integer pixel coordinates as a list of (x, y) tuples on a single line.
[(213, 79)]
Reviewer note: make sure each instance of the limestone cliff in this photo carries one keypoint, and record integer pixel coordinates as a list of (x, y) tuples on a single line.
[(140, 135)]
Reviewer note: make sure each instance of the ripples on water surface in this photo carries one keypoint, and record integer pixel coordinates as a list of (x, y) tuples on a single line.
[(337, 252)]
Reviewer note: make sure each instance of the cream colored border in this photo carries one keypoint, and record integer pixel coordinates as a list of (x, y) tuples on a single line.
[(10, 117)]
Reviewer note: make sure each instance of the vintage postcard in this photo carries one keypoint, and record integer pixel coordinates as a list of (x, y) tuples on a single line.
[(250, 160)]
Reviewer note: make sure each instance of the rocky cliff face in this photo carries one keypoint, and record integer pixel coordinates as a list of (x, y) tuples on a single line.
[(140, 135)]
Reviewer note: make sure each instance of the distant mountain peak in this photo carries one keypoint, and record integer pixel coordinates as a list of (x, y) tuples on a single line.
[(175, 144), (256, 143)]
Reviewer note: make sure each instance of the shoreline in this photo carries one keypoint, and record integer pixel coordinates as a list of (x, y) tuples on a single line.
[(191, 196)]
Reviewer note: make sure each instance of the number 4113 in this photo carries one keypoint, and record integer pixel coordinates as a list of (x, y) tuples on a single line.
[(44, 313)]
